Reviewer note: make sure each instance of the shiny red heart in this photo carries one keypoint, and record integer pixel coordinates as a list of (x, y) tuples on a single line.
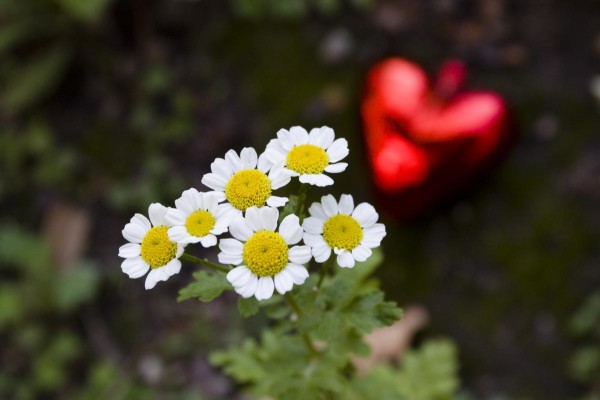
[(427, 144)]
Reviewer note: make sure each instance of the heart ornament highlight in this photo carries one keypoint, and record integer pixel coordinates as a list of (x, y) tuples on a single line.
[(427, 143)]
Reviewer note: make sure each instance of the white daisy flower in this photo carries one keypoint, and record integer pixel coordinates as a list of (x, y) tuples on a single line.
[(350, 232), (150, 247), (243, 181), (266, 262), (198, 218), (308, 155)]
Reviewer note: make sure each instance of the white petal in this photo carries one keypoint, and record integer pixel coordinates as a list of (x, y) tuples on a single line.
[(178, 234), (300, 254), (249, 158), (208, 240), (221, 169), (361, 253), (129, 250), (330, 206), (279, 178), (219, 195), (185, 205), (133, 233), (275, 201), (320, 180), (175, 216), (268, 218), (346, 205), (322, 137), (173, 267), (313, 240), (284, 139), (345, 259), (336, 168), (180, 249), (239, 276), (264, 163), (321, 252), (135, 267), (249, 288), (142, 221), (373, 235), (297, 273), (365, 215), (298, 135), (229, 212), (209, 202), (316, 210), (157, 213), (231, 246), (338, 150), (253, 217), (265, 288), (234, 161), (312, 225), (214, 182), (240, 230), (290, 229), (283, 282), (156, 275)]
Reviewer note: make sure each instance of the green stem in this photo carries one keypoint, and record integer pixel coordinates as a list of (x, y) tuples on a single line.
[(203, 261), (324, 272), (301, 200), (307, 342)]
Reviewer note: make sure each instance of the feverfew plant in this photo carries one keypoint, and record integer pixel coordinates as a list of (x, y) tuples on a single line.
[(280, 255)]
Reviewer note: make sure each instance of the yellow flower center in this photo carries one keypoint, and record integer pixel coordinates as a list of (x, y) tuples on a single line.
[(307, 159), (157, 249), (266, 253), (343, 232), (247, 188), (200, 223)]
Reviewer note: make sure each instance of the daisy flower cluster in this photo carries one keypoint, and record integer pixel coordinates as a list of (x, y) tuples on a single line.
[(262, 254)]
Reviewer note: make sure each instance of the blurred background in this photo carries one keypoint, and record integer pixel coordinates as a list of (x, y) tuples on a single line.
[(109, 105)]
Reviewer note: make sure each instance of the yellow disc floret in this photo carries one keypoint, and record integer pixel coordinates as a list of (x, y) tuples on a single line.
[(247, 188), (200, 223), (157, 249), (266, 253), (343, 232), (307, 159)]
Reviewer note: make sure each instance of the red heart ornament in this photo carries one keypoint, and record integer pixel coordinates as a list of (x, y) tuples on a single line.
[(427, 144)]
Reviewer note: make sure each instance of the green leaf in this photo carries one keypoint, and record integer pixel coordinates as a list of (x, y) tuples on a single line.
[(75, 286), (31, 82), (290, 207), (207, 287), (247, 307), (86, 11), (370, 311)]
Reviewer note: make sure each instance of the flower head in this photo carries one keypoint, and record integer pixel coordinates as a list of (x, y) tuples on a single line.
[(150, 247), (350, 232), (308, 155), (198, 218), (243, 181), (266, 260)]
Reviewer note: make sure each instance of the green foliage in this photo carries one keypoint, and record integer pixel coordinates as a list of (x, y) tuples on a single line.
[(429, 373), (208, 286), (307, 354), (584, 364)]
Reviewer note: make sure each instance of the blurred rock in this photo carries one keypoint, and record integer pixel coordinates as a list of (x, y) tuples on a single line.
[(390, 343), (66, 228)]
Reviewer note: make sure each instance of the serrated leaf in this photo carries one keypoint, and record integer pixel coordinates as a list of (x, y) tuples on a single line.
[(207, 287), (370, 311), (247, 307)]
